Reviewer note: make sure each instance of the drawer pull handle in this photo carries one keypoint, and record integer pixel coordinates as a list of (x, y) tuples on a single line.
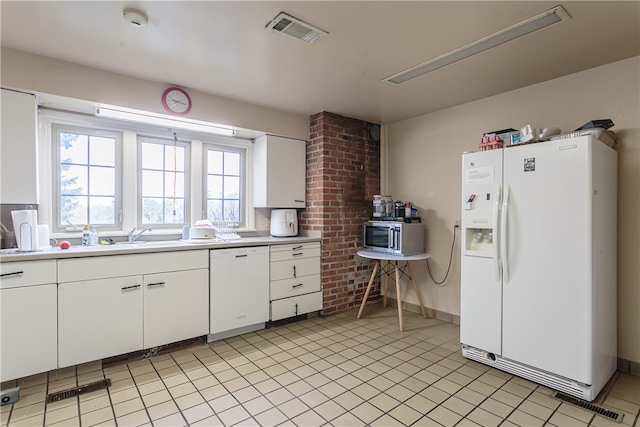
[(299, 201), (296, 309), (155, 284), (298, 285), (15, 273), (294, 271), (129, 288), (295, 248), (241, 256), (298, 254)]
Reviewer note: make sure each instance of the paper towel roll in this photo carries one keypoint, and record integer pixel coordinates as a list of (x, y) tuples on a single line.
[(25, 225)]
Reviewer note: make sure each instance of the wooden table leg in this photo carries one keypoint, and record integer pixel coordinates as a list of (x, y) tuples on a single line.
[(398, 296), (366, 293), (386, 283), (415, 287)]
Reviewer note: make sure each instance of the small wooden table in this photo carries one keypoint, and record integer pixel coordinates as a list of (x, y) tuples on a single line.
[(399, 269)]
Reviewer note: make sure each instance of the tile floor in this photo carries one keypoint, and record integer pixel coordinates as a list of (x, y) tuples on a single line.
[(332, 371)]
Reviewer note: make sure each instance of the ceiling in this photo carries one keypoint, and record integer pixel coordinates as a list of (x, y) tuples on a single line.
[(222, 48)]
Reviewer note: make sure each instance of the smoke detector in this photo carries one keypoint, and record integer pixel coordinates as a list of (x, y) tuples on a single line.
[(135, 17), (295, 28)]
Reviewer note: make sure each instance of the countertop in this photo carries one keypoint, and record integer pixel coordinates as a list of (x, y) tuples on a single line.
[(77, 251)]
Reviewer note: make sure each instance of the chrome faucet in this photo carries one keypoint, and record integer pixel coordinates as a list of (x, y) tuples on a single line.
[(131, 237)]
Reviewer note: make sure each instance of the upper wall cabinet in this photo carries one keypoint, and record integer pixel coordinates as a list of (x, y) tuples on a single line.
[(18, 155), (279, 172)]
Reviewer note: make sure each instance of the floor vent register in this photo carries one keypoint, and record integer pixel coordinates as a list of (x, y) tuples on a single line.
[(77, 391), (607, 413)]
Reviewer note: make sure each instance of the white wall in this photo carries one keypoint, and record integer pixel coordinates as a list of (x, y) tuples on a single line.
[(424, 166)]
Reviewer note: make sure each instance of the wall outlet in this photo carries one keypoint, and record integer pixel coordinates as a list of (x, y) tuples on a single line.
[(457, 223), (9, 396)]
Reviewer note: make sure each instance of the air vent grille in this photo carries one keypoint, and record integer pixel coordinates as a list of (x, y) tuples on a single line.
[(295, 28), (76, 391), (607, 413)]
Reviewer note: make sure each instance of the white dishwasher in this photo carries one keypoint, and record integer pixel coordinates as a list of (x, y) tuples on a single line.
[(239, 291)]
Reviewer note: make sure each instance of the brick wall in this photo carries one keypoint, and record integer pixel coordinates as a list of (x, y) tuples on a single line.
[(343, 174)]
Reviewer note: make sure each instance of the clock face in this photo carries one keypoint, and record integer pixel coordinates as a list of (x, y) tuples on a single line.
[(176, 101)]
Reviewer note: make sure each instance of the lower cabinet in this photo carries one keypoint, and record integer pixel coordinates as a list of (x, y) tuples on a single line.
[(106, 316), (239, 291), (28, 318), (295, 280)]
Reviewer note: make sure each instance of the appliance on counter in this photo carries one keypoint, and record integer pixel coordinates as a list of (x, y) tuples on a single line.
[(284, 223), (394, 237), (538, 278)]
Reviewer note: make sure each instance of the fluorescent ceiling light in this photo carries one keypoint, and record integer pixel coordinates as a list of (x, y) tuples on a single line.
[(127, 114), (545, 19)]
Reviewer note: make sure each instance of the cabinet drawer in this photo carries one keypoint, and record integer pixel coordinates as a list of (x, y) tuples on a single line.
[(292, 287), (73, 270), (295, 268), (289, 307), (26, 273), (288, 252)]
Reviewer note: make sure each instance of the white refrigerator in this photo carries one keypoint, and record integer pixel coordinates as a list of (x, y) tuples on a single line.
[(538, 279)]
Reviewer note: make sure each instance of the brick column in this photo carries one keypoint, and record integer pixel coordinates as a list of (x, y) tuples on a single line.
[(343, 174)]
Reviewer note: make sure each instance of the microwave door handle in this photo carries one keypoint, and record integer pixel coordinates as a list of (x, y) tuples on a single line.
[(391, 244)]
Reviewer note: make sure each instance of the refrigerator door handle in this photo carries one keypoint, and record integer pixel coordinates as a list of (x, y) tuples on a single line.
[(496, 209), (503, 235)]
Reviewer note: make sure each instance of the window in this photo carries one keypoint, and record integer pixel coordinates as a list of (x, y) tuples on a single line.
[(224, 185), (87, 177), (163, 191)]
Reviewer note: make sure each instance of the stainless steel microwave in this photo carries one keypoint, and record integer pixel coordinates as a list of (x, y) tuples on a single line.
[(395, 238)]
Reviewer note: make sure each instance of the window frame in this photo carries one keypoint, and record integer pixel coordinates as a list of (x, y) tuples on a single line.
[(141, 139), (60, 126), (245, 201)]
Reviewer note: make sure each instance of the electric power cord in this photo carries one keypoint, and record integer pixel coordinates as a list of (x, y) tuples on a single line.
[(453, 244)]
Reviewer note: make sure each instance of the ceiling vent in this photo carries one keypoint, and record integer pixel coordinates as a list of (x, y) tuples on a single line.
[(295, 28)]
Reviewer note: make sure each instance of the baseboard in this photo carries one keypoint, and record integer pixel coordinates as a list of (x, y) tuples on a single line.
[(431, 313)]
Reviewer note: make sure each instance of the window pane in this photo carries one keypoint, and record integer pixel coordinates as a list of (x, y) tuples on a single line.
[(74, 180), (102, 210), (73, 210), (102, 151), (214, 187), (214, 210), (232, 163), (174, 153), (214, 162), (152, 210), (232, 210), (174, 184), (231, 187), (152, 184), (152, 156), (103, 181), (74, 148), (174, 212)]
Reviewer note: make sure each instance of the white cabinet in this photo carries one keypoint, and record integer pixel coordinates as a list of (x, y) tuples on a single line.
[(18, 154), (279, 172), (99, 318), (28, 314), (176, 306), (295, 280), (239, 291), (117, 304)]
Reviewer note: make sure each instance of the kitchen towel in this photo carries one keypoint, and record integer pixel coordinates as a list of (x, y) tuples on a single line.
[(25, 225)]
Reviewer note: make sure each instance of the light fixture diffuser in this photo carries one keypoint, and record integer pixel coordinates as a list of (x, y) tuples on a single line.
[(538, 22), (145, 117)]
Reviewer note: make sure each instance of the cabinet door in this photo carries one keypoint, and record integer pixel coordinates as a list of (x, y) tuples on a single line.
[(289, 307), (98, 319), (18, 148), (29, 331), (280, 168), (239, 288), (295, 268), (175, 306)]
